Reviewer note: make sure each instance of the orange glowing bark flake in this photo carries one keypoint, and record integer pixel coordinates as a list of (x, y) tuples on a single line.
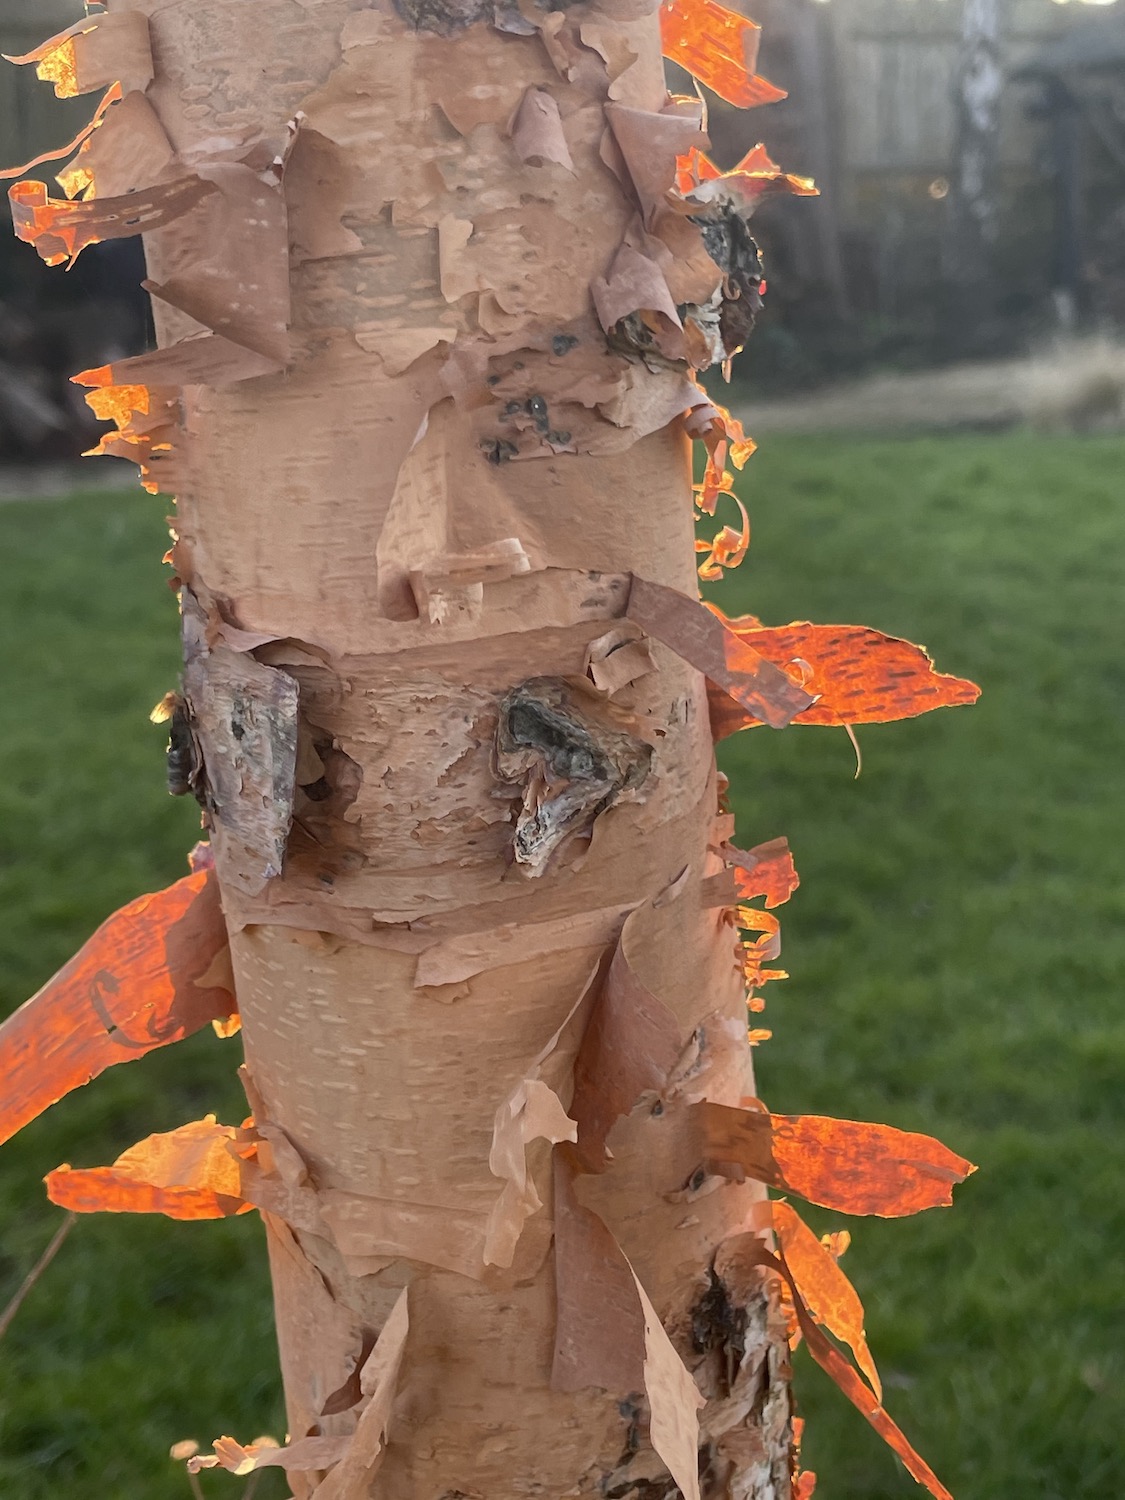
[(60, 67), (717, 46), (693, 168), (766, 870), (45, 55), (764, 948), (56, 59), (751, 1251), (188, 1173), (153, 973), (859, 675), (118, 403), (97, 51), (860, 1168), (699, 179), (143, 417), (828, 1294), (847, 1165)]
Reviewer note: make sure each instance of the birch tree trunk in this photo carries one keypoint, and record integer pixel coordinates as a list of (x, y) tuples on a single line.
[(430, 289), (414, 484)]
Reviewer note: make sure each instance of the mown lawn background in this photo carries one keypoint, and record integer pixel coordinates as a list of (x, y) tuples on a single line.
[(956, 948)]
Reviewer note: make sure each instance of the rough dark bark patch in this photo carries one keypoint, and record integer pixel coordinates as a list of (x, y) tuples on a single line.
[(734, 250), (573, 763)]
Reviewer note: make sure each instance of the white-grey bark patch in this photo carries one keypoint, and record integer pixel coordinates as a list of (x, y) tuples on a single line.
[(573, 762), (244, 715)]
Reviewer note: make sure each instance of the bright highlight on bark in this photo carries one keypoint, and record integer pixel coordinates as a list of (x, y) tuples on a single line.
[(188, 1173), (853, 674), (153, 973), (432, 285), (825, 1290), (766, 870), (717, 46)]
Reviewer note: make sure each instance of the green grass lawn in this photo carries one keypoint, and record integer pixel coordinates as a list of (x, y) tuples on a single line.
[(956, 948)]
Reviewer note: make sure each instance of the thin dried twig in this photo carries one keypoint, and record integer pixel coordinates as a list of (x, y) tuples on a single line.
[(36, 1271)]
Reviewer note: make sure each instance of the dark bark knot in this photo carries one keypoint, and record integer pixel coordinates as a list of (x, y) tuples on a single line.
[(573, 763), (729, 243)]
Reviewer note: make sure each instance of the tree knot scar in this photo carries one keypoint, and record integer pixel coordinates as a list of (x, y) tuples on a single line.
[(729, 243), (244, 717), (573, 761)]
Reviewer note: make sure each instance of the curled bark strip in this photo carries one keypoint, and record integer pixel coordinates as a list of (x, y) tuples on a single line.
[(537, 132), (130, 147), (203, 359), (188, 1173), (848, 1165), (599, 1339), (532, 1112), (704, 640), (153, 973), (574, 762), (855, 675), (748, 1250), (617, 659), (227, 265), (60, 230)]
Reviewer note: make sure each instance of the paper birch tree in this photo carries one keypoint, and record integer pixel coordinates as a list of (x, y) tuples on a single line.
[(431, 288)]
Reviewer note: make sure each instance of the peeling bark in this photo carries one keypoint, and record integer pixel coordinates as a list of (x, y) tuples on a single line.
[(417, 489)]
